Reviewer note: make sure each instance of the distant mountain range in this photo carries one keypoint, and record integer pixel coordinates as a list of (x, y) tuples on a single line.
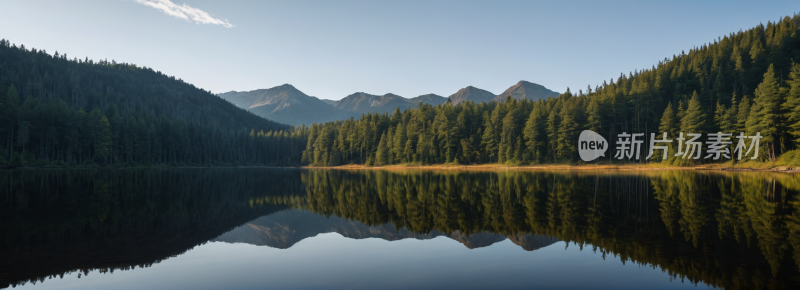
[(284, 229), (286, 104)]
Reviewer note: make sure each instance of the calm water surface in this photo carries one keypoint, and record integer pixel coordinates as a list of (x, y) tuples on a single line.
[(332, 229)]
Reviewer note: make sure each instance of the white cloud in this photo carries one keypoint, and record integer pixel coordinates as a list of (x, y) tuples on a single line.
[(184, 12)]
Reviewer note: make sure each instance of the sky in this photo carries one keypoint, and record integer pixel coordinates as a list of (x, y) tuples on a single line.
[(330, 49)]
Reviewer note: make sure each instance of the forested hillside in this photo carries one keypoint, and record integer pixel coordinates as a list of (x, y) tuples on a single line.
[(742, 82), (62, 111), (57, 111)]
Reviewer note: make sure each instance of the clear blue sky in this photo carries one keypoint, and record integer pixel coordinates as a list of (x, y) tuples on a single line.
[(330, 49)]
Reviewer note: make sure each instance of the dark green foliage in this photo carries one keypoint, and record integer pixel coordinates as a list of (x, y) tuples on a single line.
[(57, 111), (792, 105), (701, 85), (137, 116)]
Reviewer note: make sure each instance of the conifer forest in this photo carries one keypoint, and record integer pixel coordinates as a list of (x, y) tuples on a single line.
[(62, 111)]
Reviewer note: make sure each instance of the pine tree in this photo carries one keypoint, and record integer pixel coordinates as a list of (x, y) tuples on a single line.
[(501, 152), (769, 100), (389, 146), (8, 116), (383, 152), (552, 134), (534, 133), (668, 121), (729, 122), (743, 115), (720, 116), (594, 114), (566, 131), (488, 138), (400, 143), (693, 120), (792, 105), (753, 122), (669, 125), (102, 145)]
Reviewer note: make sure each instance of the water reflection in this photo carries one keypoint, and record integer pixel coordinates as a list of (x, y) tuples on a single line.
[(57, 222), (730, 230), (284, 229)]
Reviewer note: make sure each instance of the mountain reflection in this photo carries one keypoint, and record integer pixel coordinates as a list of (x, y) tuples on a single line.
[(730, 230), (284, 229)]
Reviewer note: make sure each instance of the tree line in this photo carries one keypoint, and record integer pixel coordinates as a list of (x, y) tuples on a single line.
[(743, 82), (64, 112), (57, 111)]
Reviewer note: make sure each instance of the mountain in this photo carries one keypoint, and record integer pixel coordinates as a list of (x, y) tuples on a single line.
[(526, 90), (289, 105), (286, 104), (477, 240), (362, 103), (284, 229), (471, 93), (432, 99), (329, 102), (532, 242)]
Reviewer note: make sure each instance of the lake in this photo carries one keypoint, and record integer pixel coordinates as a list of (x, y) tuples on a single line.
[(292, 228)]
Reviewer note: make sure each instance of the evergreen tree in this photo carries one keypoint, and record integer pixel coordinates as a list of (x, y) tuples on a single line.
[(595, 117), (720, 117), (534, 133), (770, 118), (8, 116), (383, 152), (102, 144), (792, 105), (552, 134), (400, 141), (693, 120), (488, 138), (668, 122), (729, 121), (566, 135), (743, 115)]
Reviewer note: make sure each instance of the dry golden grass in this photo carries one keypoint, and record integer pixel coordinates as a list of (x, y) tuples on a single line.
[(779, 165)]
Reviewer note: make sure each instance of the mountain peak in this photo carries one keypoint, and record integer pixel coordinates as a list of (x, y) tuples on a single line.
[(286, 87), (287, 104), (471, 93), (526, 90)]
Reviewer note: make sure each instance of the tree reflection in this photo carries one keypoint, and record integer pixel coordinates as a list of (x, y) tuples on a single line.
[(727, 230), (731, 230), (58, 222)]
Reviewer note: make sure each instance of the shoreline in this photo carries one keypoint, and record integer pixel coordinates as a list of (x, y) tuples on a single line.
[(474, 167), (615, 167)]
